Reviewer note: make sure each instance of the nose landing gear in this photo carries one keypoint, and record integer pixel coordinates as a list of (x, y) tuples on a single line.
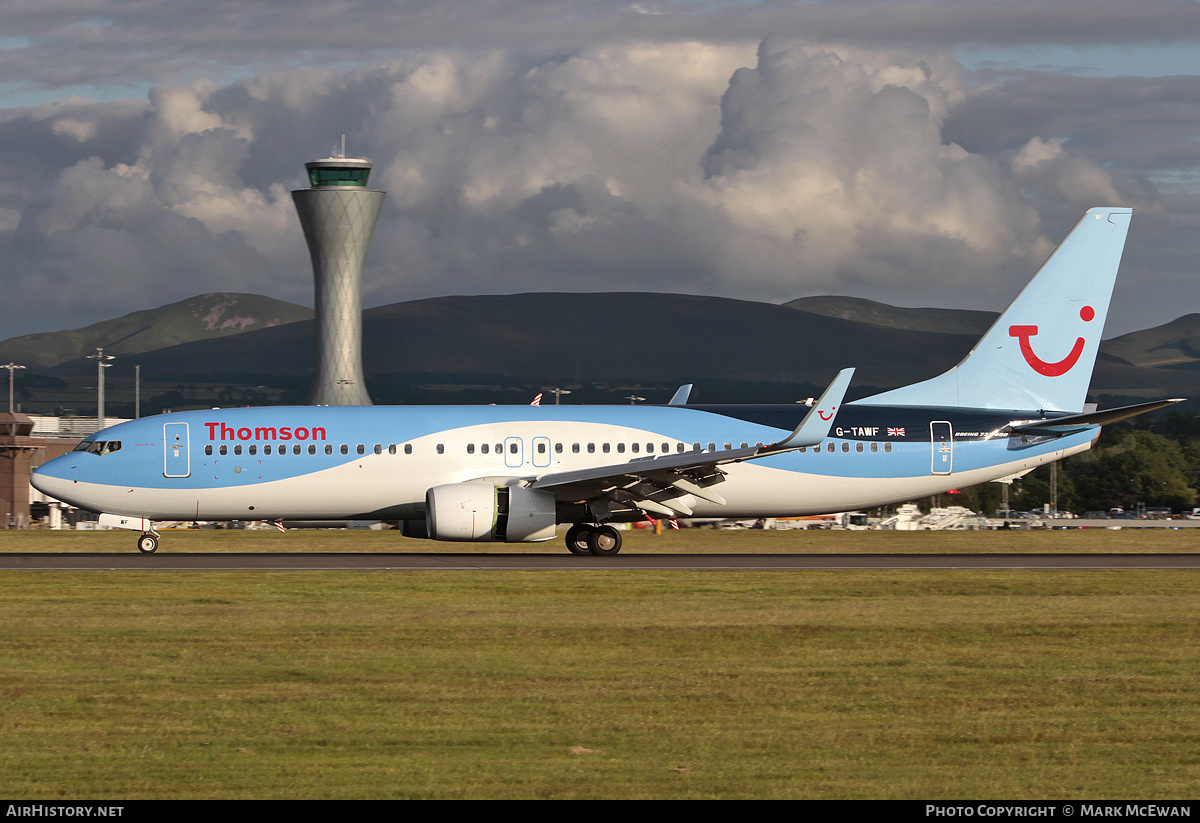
[(148, 543)]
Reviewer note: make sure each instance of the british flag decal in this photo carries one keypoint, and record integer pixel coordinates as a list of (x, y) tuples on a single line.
[(893, 432)]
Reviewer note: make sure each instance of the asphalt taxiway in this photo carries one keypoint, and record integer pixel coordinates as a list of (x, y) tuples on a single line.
[(558, 562)]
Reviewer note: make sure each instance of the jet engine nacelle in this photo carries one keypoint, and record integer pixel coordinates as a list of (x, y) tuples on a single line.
[(483, 512)]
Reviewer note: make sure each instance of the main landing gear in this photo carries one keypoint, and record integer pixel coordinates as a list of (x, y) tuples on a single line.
[(585, 538), (148, 543)]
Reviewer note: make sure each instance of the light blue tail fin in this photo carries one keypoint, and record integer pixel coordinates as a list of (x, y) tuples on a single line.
[(1040, 353)]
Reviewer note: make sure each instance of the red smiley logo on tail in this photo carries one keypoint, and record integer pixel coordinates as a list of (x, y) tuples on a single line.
[(821, 414), (1023, 333)]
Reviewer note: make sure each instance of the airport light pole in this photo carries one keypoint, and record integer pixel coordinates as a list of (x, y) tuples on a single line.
[(633, 399), (12, 367), (558, 392), (101, 364)]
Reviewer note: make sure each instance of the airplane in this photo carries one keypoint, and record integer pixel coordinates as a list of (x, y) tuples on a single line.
[(515, 473)]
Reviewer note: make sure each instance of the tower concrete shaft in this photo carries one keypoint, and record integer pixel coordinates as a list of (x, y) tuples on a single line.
[(338, 215)]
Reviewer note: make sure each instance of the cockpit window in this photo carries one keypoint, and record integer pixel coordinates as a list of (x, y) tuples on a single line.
[(98, 446)]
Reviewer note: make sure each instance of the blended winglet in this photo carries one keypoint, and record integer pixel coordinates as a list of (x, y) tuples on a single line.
[(815, 426)]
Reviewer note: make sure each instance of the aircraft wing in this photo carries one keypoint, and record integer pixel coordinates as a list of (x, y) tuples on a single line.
[(655, 483)]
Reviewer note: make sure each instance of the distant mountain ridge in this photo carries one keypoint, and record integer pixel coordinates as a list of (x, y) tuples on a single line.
[(204, 317), (581, 338), (948, 321), (1171, 344)]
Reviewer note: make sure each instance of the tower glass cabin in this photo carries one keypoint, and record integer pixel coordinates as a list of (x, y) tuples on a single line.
[(338, 214)]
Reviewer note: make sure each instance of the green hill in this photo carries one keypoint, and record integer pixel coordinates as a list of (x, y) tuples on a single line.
[(205, 317), (1172, 344)]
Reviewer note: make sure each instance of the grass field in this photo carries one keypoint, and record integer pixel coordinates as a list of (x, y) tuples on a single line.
[(863, 684), (704, 541)]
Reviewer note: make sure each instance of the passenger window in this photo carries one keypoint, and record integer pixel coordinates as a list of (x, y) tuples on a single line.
[(267, 449), (296, 449), (363, 449), (830, 448), (845, 446), (470, 448), (887, 447), (345, 449), (591, 448), (620, 448), (633, 447), (328, 448), (512, 448), (208, 450), (558, 448), (379, 448), (408, 448), (574, 448), (858, 447), (541, 448), (604, 448), (483, 449), (253, 450), (224, 450), (441, 449), (874, 447), (391, 448)]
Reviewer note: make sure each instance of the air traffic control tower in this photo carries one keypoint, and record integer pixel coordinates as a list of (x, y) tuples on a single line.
[(338, 215)]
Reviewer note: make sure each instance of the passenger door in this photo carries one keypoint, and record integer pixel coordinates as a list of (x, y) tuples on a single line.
[(942, 439), (177, 461)]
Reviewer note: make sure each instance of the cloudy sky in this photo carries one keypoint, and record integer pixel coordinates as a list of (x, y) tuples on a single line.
[(917, 152)]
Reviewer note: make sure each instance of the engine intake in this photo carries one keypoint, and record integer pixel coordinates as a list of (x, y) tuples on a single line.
[(483, 512)]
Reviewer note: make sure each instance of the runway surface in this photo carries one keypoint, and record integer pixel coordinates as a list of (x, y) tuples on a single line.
[(558, 562)]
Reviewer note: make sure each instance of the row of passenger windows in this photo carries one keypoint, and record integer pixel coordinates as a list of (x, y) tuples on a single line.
[(858, 447), (540, 446), (312, 449)]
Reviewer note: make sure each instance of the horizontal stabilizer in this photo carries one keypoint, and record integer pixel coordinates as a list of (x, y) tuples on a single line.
[(1075, 422)]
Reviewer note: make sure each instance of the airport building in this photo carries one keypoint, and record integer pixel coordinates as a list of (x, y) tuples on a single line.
[(26, 442), (338, 214)]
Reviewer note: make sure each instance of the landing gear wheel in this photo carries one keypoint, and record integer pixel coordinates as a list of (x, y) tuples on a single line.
[(604, 541), (577, 538), (148, 543)]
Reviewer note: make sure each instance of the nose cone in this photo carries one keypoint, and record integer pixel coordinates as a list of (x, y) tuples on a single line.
[(51, 480)]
